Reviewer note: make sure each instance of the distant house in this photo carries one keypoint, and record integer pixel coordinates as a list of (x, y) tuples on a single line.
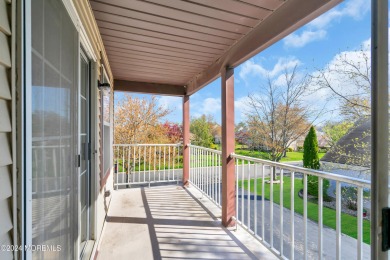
[(353, 148), (321, 137)]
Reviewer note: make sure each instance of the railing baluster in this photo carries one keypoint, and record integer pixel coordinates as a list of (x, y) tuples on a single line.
[(164, 162), (196, 166), (154, 163), (212, 177), (305, 216), (139, 163), (320, 207), (173, 161), (123, 161), (360, 223), (207, 175), (144, 163), (338, 220), (220, 178), (281, 211), (159, 163), (255, 199), (134, 175), (249, 195), (169, 162), (263, 203), (117, 166), (242, 193), (150, 154), (292, 241), (237, 219), (271, 211)]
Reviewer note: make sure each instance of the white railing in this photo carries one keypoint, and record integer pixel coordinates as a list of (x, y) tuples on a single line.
[(266, 197), (147, 163), (205, 172), (248, 213)]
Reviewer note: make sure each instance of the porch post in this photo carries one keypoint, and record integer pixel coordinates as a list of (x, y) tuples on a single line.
[(228, 144), (186, 139), (380, 125)]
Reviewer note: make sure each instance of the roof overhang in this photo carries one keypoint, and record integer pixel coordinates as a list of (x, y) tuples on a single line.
[(166, 44)]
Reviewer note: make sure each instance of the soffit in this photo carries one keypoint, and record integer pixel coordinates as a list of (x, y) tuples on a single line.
[(187, 42)]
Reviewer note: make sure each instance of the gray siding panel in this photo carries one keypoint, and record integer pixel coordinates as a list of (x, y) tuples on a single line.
[(5, 51), (6, 182), (5, 116), (5, 240), (5, 85), (4, 19), (5, 151), (6, 217), (6, 199)]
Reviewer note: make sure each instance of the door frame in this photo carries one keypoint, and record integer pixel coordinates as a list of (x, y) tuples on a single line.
[(83, 55)]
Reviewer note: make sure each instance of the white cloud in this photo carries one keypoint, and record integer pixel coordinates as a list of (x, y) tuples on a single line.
[(316, 30), (169, 102), (299, 40), (354, 9), (205, 106), (241, 108), (211, 106), (250, 68)]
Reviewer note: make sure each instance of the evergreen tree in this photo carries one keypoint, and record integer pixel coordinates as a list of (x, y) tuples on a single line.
[(312, 161), (310, 150)]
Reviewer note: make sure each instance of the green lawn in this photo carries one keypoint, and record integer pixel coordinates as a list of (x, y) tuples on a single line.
[(291, 156), (348, 222)]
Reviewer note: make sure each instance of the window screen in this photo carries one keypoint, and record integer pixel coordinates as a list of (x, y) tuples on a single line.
[(54, 129)]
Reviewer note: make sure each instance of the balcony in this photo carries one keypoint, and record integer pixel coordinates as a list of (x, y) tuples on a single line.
[(153, 217)]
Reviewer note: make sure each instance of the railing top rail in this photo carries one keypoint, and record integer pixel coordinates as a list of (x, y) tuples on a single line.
[(326, 175), (147, 145), (205, 149)]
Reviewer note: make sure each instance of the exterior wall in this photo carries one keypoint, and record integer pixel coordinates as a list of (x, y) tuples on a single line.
[(6, 130)]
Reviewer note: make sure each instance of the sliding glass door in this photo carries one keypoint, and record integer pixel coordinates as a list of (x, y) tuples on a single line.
[(54, 142)]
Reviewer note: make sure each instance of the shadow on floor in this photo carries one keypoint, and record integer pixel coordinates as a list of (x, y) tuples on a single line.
[(178, 227)]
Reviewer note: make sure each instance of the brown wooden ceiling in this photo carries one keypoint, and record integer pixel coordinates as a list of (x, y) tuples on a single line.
[(182, 42)]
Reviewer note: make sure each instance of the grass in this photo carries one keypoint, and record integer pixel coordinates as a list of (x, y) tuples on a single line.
[(348, 222), (291, 156)]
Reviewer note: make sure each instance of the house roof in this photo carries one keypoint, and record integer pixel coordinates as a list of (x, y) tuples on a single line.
[(353, 148), (176, 47)]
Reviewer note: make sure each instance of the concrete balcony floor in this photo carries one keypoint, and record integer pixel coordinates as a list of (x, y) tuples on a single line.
[(169, 222)]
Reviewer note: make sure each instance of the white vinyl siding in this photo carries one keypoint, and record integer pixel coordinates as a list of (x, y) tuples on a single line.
[(5, 129)]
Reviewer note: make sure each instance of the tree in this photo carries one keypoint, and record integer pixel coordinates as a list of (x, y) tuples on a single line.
[(201, 132), (277, 116), (312, 161), (139, 121), (335, 130), (310, 150), (173, 131), (348, 77)]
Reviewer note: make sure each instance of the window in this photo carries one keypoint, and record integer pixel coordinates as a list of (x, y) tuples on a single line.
[(106, 128)]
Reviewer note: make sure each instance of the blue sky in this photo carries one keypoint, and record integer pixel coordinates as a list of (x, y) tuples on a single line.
[(345, 28)]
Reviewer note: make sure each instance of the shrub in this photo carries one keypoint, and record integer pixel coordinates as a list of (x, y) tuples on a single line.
[(349, 196), (214, 146), (312, 161), (289, 150), (323, 150)]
